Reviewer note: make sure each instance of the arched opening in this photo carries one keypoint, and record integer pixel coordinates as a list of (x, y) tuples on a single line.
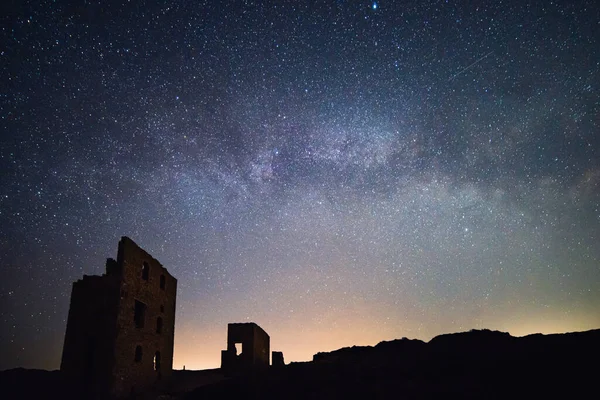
[(159, 325), (138, 353), (162, 282), (145, 271)]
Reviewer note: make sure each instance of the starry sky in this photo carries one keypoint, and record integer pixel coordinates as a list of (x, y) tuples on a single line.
[(339, 172)]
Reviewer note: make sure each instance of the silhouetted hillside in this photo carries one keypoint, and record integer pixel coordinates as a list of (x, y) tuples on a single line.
[(475, 364), (21, 383)]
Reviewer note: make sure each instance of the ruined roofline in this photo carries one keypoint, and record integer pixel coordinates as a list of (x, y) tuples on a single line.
[(244, 323), (91, 278), (125, 239), (112, 264), (253, 324)]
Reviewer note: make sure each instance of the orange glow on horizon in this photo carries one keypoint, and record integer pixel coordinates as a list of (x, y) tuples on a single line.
[(201, 349)]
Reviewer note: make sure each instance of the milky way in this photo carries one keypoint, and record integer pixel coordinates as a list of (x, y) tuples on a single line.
[(340, 173)]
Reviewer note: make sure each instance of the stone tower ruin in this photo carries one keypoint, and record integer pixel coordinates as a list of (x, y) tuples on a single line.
[(121, 326), (253, 343)]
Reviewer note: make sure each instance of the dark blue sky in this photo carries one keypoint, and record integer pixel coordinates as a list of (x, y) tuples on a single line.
[(339, 173)]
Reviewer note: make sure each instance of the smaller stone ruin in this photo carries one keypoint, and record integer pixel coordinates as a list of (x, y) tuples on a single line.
[(247, 349)]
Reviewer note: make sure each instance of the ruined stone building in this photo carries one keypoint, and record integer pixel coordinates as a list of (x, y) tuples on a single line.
[(247, 349), (121, 326), (277, 359)]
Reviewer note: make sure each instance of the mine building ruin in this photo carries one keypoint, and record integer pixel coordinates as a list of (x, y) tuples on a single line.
[(253, 345), (277, 359), (121, 325)]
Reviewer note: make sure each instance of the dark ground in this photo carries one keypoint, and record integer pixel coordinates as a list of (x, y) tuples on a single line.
[(476, 364)]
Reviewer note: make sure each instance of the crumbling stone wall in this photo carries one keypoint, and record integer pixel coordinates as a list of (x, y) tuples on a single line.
[(88, 351), (277, 359), (255, 348), (129, 313)]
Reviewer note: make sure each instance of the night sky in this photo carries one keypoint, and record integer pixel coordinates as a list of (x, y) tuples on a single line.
[(339, 172)]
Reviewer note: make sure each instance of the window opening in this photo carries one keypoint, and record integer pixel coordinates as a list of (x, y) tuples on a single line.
[(145, 271), (157, 361), (138, 353), (157, 365), (159, 325), (162, 282), (139, 314)]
